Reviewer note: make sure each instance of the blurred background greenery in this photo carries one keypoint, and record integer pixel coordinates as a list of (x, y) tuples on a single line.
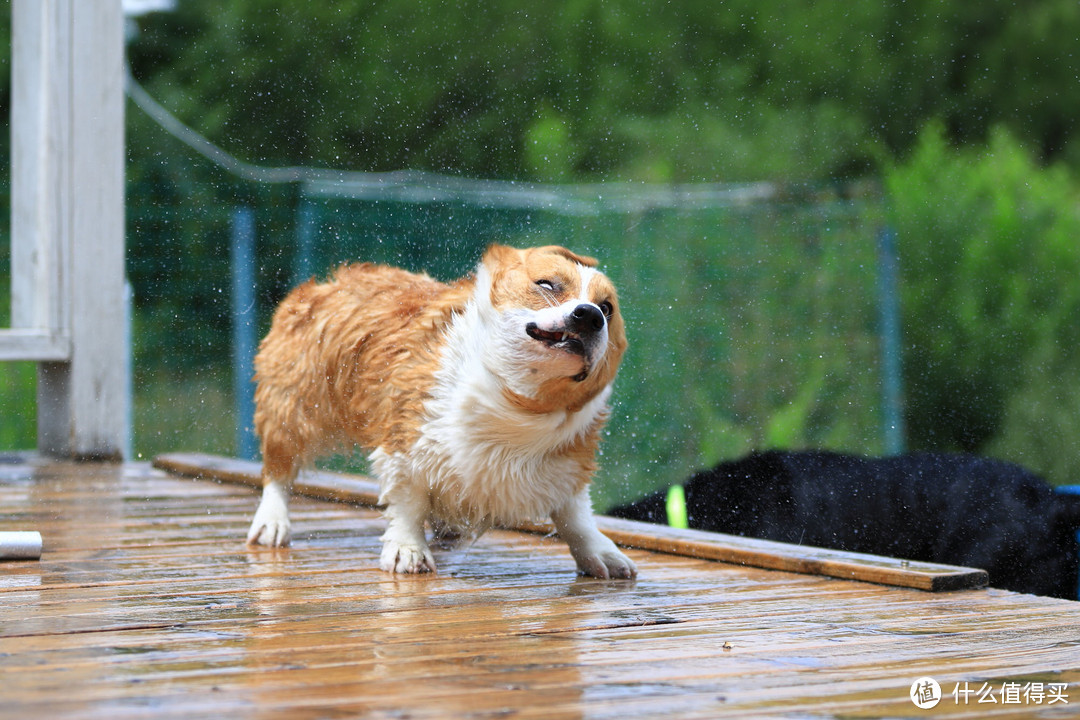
[(754, 323)]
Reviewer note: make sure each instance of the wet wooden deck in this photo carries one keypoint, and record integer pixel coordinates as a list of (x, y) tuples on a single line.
[(146, 604)]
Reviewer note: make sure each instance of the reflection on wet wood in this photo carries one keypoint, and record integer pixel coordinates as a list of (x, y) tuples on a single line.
[(692, 543), (145, 603)]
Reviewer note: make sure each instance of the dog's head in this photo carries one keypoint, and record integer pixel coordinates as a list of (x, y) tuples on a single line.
[(560, 333)]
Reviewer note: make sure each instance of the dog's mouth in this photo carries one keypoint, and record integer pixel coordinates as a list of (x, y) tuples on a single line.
[(560, 340)]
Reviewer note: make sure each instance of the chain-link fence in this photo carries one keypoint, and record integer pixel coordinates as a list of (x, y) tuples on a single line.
[(754, 317)]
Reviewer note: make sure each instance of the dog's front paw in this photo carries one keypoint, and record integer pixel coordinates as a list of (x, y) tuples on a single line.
[(271, 524), (600, 558), (275, 532), (610, 564), (406, 558)]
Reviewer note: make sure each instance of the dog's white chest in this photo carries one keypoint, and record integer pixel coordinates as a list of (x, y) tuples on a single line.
[(481, 458), (484, 464)]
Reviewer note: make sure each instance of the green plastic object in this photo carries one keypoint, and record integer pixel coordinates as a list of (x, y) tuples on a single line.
[(676, 507)]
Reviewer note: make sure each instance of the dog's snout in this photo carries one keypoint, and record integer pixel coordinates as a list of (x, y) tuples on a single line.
[(587, 318)]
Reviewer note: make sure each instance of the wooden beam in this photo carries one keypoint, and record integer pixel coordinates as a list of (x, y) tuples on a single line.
[(733, 549), (31, 344), (40, 185)]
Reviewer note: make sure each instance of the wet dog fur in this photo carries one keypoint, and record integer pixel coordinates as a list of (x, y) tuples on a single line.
[(481, 402)]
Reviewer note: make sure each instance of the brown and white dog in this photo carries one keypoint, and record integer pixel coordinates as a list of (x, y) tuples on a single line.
[(481, 402)]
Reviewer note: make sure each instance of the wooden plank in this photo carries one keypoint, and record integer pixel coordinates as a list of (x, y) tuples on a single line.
[(321, 484), (733, 549), (793, 558), (147, 604)]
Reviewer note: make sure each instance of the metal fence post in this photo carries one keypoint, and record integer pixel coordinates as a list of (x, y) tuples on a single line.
[(306, 228), (891, 352), (243, 326)]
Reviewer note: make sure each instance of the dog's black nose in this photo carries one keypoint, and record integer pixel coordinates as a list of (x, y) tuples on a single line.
[(586, 318)]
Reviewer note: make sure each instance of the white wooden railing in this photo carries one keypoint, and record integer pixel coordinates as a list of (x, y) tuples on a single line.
[(67, 222)]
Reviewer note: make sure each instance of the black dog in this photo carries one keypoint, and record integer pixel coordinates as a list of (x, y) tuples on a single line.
[(951, 509)]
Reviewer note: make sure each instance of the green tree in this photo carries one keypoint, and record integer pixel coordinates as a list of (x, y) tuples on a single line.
[(686, 90), (989, 262)]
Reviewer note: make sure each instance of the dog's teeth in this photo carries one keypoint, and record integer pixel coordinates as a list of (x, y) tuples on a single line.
[(564, 336)]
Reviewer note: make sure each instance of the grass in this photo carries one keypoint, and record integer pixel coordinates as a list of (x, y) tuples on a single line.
[(171, 413), (176, 413), (18, 419)]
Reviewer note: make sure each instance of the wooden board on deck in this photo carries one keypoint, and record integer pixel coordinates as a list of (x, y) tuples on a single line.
[(147, 604), (752, 552)]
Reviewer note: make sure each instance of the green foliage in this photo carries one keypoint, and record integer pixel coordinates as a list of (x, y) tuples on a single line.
[(731, 312), (18, 383), (1041, 419), (680, 91), (177, 411), (549, 151), (18, 425), (990, 261)]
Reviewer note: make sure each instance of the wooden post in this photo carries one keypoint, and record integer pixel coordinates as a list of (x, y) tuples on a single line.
[(67, 168)]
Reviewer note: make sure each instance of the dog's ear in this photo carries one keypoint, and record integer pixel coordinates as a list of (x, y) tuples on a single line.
[(506, 256), (568, 254), (501, 255)]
